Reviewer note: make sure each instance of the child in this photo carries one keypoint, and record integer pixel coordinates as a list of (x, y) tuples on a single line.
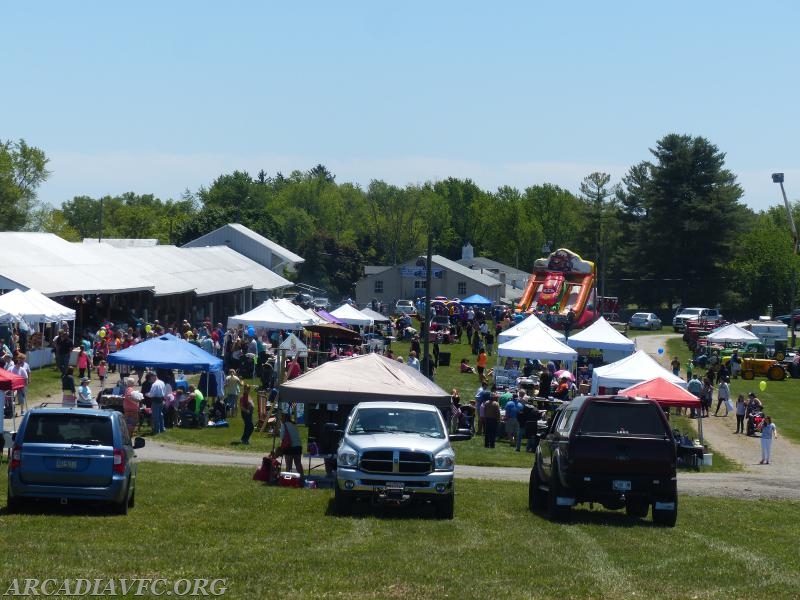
[(83, 363), (102, 370)]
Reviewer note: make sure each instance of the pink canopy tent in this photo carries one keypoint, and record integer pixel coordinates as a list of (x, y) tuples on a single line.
[(667, 394)]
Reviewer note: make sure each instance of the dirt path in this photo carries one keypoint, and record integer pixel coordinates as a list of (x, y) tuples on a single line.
[(718, 431)]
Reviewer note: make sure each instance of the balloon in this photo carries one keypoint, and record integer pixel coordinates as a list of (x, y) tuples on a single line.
[(762, 386), (148, 328), (661, 351), (102, 333)]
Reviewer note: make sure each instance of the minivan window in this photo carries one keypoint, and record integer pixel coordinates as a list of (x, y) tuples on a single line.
[(43, 428)]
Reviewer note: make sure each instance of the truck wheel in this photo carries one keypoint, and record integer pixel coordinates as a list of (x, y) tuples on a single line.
[(555, 511), (748, 374), (445, 506), (666, 518), (536, 498), (342, 502), (636, 507), (776, 373)]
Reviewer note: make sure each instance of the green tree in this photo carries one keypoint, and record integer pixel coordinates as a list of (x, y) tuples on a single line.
[(23, 169), (600, 226), (683, 213)]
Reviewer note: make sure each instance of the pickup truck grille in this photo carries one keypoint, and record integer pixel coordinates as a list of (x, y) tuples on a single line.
[(396, 461)]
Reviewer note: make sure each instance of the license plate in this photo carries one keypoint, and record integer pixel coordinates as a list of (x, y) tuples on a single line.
[(622, 485), (66, 465), (395, 486)]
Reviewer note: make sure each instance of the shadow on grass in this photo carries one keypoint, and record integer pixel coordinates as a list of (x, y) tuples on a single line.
[(50, 507), (598, 516), (363, 508)]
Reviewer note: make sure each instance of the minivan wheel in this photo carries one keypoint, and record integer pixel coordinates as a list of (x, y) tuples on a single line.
[(12, 504), (121, 508)]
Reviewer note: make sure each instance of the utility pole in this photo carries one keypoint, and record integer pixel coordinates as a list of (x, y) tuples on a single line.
[(778, 178), (426, 357)]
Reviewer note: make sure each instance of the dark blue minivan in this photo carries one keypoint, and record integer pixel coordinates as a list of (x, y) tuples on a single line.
[(69, 454)]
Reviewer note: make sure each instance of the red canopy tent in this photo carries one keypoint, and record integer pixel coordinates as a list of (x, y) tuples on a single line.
[(667, 394), (9, 381)]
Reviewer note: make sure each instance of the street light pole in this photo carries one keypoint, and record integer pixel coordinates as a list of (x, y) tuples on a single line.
[(778, 178)]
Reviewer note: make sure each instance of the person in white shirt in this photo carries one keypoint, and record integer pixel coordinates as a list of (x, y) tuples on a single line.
[(413, 361), (85, 398)]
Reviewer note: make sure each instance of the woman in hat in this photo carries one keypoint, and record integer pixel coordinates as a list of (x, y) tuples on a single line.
[(85, 399)]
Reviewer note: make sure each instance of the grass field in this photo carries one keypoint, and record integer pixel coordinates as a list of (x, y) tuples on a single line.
[(215, 522)]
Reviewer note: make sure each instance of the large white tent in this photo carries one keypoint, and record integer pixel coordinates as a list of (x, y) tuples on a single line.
[(523, 327), (270, 316), (351, 315), (601, 335), (537, 343), (731, 334), (629, 371), (375, 315), (293, 310)]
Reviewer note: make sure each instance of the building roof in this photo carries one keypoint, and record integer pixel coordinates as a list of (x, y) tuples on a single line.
[(224, 234), (452, 265), (375, 269), (56, 267)]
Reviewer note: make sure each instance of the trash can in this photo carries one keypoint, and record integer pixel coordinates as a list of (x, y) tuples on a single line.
[(444, 359)]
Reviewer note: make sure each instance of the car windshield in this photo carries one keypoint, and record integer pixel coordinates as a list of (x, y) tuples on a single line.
[(639, 418), (392, 420), (691, 311), (60, 428), (641, 316)]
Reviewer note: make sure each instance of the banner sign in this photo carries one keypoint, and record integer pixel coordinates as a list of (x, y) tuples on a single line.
[(421, 272)]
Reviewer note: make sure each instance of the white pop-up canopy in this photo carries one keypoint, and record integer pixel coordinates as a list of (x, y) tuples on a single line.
[(270, 316), (601, 335), (629, 371), (731, 334), (523, 327), (351, 315), (537, 343)]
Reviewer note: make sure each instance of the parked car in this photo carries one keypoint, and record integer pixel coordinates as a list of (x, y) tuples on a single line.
[(710, 316), (644, 320), (70, 454), (321, 303), (439, 322), (396, 453), (405, 307)]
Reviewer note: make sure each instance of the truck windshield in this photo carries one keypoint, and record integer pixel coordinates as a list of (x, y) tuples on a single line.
[(390, 420), (616, 418)]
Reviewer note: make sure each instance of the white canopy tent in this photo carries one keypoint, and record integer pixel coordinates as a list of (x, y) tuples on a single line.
[(537, 343), (731, 334), (269, 315), (629, 371), (530, 323), (293, 310), (351, 315), (49, 310), (601, 335), (375, 315)]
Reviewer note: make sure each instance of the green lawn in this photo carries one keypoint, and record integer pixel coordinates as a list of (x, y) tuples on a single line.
[(779, 397), (215, 522)]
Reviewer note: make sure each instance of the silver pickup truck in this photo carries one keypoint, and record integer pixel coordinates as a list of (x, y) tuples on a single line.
[(396, 453)]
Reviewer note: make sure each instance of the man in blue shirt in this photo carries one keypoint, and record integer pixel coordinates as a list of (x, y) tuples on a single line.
[(513, 408)]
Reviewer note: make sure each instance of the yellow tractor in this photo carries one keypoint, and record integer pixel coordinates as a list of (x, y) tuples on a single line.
[(766, 367)]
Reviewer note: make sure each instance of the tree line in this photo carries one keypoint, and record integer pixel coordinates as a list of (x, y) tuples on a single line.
[(673, 231)]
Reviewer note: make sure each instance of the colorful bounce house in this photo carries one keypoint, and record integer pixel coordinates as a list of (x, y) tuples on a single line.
[(560, 289)]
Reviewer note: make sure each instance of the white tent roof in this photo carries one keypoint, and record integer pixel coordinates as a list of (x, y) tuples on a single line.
[(351, 316), (601, 335), (49, 309), (537, 343), (33, 307), (524, 326), (731, 333), (629, 371), (269, 315), (375, 315), (293, 310)]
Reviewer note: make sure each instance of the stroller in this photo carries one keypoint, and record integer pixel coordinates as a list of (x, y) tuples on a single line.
[(218, 411), (755, 420)]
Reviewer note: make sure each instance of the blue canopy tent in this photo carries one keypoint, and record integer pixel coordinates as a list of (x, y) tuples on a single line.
[(167, 352), (476, 300)]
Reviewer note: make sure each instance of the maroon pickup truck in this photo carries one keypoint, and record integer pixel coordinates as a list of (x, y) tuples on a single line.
[(614, 450)]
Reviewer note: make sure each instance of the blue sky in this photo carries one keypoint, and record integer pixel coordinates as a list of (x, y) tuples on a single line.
[(158, 97)]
